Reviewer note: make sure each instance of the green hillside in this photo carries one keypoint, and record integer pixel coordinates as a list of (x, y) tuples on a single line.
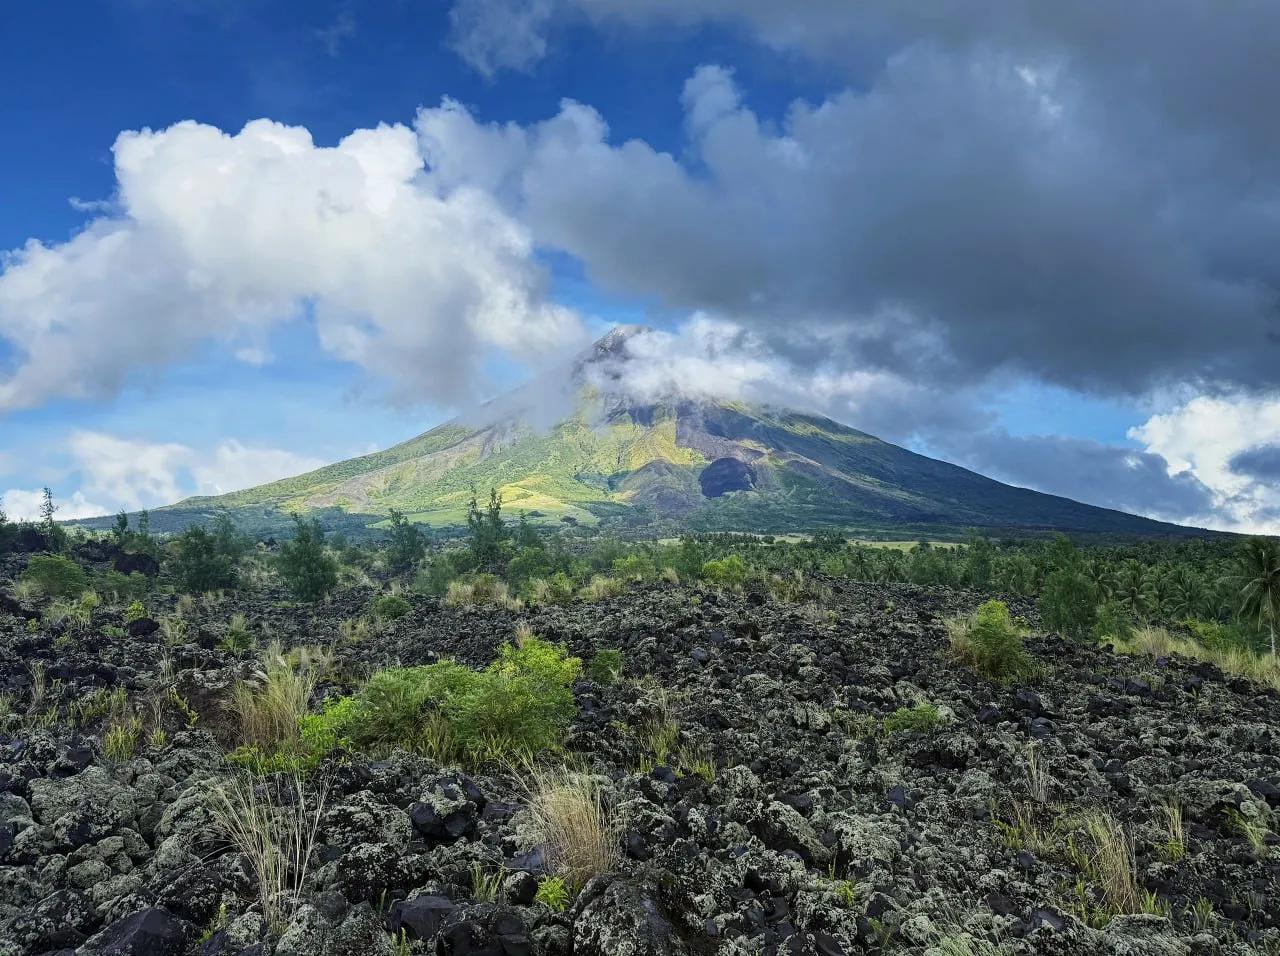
[(667, 468)]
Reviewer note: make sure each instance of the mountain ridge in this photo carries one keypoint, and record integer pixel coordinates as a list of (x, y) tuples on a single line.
[(665, 466)]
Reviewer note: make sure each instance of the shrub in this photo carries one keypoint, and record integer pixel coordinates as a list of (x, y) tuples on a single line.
[(239, 636), (1112, 620), (991, 644), (309, 571), (390, 607), (1068, 602), (918, 718), (605, 666), (519, 705), (55, 575), (728, 572), (134, 612)]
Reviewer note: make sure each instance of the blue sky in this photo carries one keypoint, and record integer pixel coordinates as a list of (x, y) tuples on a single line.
[(876, 217)]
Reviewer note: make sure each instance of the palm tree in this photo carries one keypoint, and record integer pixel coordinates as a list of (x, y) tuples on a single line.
[(1259, 584)]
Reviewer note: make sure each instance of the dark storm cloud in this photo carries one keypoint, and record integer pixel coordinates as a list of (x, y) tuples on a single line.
[(1088, 471), (1084, 193), (1261, 462)]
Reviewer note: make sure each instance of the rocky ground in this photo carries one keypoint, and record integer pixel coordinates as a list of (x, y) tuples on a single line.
[(818, 831)]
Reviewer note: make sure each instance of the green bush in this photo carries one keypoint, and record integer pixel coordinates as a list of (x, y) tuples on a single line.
[(55, 575), (390, 607), (991, 644), (725, 572), (134, 612), (308, 570), (1112, 621), (519, 705), (605, 666), (919, 718)]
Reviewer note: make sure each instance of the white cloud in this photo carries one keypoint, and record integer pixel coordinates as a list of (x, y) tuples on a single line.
[(116, 473), (24, 505), (1211, 438), (220, 237), (233, 467)]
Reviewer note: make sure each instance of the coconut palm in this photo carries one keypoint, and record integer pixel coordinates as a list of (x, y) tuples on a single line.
[(1259, 584)]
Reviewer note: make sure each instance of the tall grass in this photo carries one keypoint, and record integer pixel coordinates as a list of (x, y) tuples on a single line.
[(1231, 659), (268, 707), (575, 823), (276, 833)]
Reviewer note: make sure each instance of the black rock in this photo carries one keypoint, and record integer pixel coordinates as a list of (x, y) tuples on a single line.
[(700, 655), (422, 916), (127, 563), (149, 932), (1047, 917), (142, 627), (899, 798)]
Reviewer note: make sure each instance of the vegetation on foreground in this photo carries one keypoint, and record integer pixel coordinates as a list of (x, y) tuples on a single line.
[(574, 744)]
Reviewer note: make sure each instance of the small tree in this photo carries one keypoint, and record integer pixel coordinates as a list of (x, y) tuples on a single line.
[(307, 568), (1069, 602), (227, 537), (1258, 580), (54, 534), (201, 565), (488, 533), (407, 545), (120, 530)]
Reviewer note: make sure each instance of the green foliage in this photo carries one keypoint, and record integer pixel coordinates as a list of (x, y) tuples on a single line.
[(406, 545), (918, 718), (55, 575), (1257, 580), (1112, 620), (390, 607), (553, 893), (605, 666), (134, 612), (727, 572), (306, 567), (488, 534), (201, 564), (519, 705), (1069, 602), (991, 644)]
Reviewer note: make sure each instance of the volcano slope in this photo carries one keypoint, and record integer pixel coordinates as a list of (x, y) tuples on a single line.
[(806, 803)]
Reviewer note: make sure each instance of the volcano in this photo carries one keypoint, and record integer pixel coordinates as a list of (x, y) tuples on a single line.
[(663, 467)]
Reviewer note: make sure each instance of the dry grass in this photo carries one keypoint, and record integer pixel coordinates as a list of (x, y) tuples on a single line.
[(599, 588), (1038, 779), (267, 707), (1237, 661), (485, 589), (575, 823), (276, 833)]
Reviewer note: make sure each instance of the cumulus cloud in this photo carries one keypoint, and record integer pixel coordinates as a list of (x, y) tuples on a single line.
[(218, 238), (1226, 443), (23, 504), (966, 215), (124, 473)]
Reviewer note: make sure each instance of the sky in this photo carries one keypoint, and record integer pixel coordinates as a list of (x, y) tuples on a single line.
[(243, 238)]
